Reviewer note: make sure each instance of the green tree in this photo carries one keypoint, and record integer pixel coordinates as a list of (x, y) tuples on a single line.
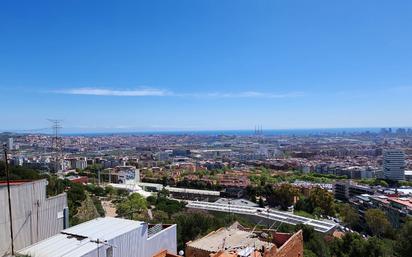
[(308, 253), (18, 172), (318, 245), (377, 222), (55, 186), (251, 193), (110, 191), (283, 196), (319, 202), (261, 203), (122, 192), (349, 215), (321, 198), (307, 231), (163, 193), (353, 245), (190, 226), (169, 206), (375, 247), (86, 211), (160, 217), (151, 200), (133, 204), (96, 190), (403, 246)]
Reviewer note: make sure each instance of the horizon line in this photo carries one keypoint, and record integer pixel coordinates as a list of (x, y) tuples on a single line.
[(154, 131)]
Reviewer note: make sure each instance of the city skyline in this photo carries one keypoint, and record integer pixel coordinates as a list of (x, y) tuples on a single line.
[(206, 128), (186, 65)]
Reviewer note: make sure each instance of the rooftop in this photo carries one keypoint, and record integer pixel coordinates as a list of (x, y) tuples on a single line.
[(229, 239), (17, 182), (407, 202), (240, 202), (80, 240)]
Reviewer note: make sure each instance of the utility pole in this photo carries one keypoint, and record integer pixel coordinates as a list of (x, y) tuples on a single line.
[(6, 166), (230, 216), (56, 142)]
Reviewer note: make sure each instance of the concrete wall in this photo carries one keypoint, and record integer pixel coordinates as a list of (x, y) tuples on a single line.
[(136, 243), (291, 248), (165, 253), (195, 252), (166, 239)]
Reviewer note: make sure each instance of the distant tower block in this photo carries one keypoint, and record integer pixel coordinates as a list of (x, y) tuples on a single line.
[(394, 164), (10, 144)]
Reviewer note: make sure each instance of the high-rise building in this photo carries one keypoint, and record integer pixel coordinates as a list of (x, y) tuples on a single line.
[(10, 144), (394, 164)]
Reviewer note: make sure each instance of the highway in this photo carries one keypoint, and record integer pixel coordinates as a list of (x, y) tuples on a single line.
[(279, 216)]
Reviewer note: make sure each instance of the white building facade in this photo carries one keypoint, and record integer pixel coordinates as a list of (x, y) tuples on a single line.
[(107, 237), (35, 217)]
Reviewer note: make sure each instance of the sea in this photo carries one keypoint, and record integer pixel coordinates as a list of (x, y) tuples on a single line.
[(268, 132)]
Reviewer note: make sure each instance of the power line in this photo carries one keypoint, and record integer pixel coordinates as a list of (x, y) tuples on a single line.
[(57, 142)]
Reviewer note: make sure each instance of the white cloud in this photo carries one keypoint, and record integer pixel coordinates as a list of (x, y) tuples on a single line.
[(111, 92), (159, 92)]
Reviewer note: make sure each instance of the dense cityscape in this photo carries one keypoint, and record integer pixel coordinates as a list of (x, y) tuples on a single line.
[(205, 128), (333, 186)]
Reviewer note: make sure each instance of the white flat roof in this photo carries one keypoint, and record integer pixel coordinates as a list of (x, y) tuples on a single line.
[(67, 245), (192, 191), (408, 172), (131, 186)]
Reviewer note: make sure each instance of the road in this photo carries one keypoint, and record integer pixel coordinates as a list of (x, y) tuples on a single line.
[(280, 216)]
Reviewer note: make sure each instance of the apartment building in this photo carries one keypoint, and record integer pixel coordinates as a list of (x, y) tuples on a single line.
[(346, 189), (397, 209), (394, 164)]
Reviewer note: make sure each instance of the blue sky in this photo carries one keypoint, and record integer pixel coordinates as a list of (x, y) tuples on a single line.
[(210, 64)]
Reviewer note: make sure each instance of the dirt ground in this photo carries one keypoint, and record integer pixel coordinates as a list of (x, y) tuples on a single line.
[(109, 208)]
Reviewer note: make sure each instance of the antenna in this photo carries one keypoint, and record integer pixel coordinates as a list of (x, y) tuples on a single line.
[(57, 142), (254, 228), (223, 244), (103, 242), (6, 165), (272, 225)]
